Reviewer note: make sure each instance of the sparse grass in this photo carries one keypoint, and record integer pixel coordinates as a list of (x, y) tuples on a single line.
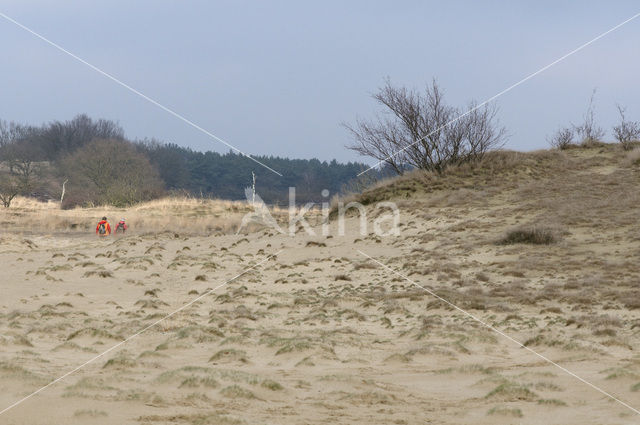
[(12, 371), (196, 381), (99, 273), (552, 402), (122, 361), (236, 391), (288, 345), (92, 332), (633, 158), (505, 411), (271, 385), (90, 413), (509, 391), (496, 169), (620, 372), (22, 340), (229, 355)]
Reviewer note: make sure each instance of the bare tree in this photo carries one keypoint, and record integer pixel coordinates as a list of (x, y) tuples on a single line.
[(110, 172), (19, 160), (589, 132), (419, 130), (58, 139), (9, 188), (561, 139), (627, 131), (9, 132), (22, 159)]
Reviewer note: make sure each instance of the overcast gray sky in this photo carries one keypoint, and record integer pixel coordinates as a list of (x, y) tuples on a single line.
[(278, 77)]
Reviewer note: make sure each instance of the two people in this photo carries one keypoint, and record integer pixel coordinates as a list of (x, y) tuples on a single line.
[(104, 228)]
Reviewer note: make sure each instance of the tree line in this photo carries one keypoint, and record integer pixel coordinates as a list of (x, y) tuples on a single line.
[(86, 162)]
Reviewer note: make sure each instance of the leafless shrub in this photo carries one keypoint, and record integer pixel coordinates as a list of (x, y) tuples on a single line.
[(561, 139), (421, 131), (589, 132), (627, 131)]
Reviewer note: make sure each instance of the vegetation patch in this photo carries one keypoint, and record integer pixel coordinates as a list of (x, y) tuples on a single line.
[(534, 235), (236, 391), (512, 392)]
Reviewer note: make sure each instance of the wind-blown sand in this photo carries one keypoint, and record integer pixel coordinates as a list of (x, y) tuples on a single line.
[(319, 334)]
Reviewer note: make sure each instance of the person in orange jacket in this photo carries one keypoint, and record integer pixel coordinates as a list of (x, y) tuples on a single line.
[(103, 228)]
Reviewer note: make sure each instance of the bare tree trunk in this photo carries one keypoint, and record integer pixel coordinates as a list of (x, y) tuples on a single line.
[(63, 191), (253, 189)]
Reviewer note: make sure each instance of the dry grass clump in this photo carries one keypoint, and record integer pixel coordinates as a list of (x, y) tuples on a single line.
[(271, 385), (509, 391), (236, 391), (122, 362), (633, 157), (534, 235), (287, 345), (229, 355), (99, 273), (196, 381)]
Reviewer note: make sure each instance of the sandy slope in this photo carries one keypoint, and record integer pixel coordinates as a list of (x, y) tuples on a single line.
[(319, 334)]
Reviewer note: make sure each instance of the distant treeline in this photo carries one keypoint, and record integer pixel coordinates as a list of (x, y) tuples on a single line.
[(96, 164), (226, 175)]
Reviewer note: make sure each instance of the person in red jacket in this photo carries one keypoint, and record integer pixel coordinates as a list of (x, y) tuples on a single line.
[(103, 228), (121, 227)]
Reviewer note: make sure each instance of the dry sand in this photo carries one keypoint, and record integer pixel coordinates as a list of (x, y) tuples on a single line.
[(318, 334)]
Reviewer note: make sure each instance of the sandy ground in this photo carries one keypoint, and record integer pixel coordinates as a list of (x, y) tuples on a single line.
[(319, 334)]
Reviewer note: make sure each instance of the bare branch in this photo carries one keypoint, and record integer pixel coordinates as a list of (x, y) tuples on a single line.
[(419, 130)]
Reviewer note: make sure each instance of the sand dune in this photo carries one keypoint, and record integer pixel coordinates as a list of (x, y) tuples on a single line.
[(319, 333)]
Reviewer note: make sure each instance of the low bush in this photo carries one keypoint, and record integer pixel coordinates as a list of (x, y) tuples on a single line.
[(534, 235)]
